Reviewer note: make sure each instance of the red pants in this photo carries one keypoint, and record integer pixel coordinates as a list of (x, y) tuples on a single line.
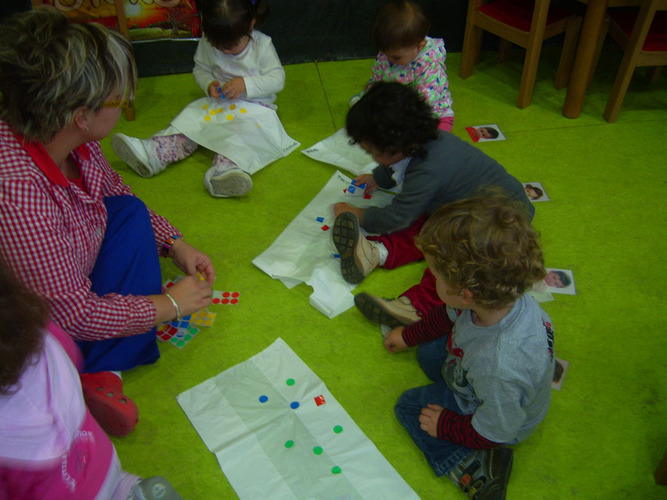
[(402, 250)]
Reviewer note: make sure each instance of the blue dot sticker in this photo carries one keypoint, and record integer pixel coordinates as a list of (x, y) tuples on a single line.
[(294, 405), (263, 399)]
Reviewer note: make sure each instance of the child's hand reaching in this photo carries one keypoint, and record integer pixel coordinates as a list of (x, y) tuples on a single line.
[(394, 340), (367, 179), (214, 89), (428, 420), (234, 88)]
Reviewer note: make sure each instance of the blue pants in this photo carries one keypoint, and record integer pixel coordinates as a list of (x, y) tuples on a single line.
[(128, 263), (441, 455)]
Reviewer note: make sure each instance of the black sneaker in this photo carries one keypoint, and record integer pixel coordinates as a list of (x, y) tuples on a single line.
[(492, 485)]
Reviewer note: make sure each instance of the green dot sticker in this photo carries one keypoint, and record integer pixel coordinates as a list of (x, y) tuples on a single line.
[(336, 470), (338, 429), (289, 381), (317, 450), (289, 443)]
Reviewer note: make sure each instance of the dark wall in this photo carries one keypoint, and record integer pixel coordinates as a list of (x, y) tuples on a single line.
[(313, 30)]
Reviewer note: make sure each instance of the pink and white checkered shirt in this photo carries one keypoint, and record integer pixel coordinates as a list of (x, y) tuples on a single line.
[(51, 232)]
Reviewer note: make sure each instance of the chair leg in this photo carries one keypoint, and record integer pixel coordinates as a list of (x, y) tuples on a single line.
[(652, 74), (660, 473), (620, 88), (504, 47), (568, 50), (598, 48), (472, 45), (528, 75)]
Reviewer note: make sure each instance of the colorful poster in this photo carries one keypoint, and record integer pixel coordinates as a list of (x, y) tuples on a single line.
[(146, 19)]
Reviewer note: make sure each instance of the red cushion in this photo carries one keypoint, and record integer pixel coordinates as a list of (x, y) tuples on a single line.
[(656, 40), (519, 13)]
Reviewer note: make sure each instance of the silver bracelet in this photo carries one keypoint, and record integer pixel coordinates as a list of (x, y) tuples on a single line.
[(175, 304)]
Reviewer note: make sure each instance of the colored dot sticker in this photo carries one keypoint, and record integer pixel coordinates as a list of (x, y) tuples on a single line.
[(336, 470), (212, 111), (205, 106), (230, 117), (338, 429), (263, 399), (219, 110), (289, 381), (294, 405), (233, 106), (318, 450), (243, 110), (289, 443), (207, 118)]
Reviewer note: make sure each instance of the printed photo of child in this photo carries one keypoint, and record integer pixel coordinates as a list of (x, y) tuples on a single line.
[(560, 281), (535, 191), (485, 133)]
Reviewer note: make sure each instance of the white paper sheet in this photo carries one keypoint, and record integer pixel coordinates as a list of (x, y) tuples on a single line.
[(337, 150), (278, 432), (249, 134), (304, 253)]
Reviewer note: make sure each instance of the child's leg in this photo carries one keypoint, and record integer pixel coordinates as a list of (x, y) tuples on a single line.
[(441, 455), (225, 178), (151, 156), (423, 296), (401, 246)]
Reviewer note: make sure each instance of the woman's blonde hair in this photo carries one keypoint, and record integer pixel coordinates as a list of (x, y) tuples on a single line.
[(49, 68), (486, 245)]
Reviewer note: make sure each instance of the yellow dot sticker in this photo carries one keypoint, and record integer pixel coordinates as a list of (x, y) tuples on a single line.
[(233, 106), (230, 117), (205, 106), (219, 110), (242, 110), (212, 111), (207, 118)]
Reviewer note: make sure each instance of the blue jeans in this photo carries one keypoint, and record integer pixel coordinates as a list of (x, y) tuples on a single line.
[(441, 455), (128, 263)]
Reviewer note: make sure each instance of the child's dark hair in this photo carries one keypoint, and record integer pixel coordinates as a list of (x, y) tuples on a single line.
[(484, 244), (23, 316), (398, 24), (393, 118), (225, 22), (492, 132)]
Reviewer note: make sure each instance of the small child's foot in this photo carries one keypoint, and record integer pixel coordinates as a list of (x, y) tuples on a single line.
[(224, 181), (393, 313), (358, 256), (139, 154), (154, 488), (114, 411), (483, 475)]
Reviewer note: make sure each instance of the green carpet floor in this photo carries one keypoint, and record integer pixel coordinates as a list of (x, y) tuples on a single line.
[(605, 431)]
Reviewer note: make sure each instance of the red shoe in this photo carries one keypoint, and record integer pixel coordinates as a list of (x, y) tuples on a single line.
[(114, 411)]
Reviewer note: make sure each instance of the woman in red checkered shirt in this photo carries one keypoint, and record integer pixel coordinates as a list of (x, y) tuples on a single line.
[(70, 229)]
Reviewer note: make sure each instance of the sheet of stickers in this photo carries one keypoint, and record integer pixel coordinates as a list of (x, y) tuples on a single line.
[(179, 333), (273, 412)]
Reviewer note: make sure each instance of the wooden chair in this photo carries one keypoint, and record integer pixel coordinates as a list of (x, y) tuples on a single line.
[(121, 25), (642, 35), (525, 23)]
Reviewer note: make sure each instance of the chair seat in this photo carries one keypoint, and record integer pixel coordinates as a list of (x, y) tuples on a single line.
[(656, 40), (519, 13)]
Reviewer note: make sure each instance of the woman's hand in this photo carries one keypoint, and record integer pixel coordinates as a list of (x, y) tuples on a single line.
[(191, 261), (190, 294), (394, 340)]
